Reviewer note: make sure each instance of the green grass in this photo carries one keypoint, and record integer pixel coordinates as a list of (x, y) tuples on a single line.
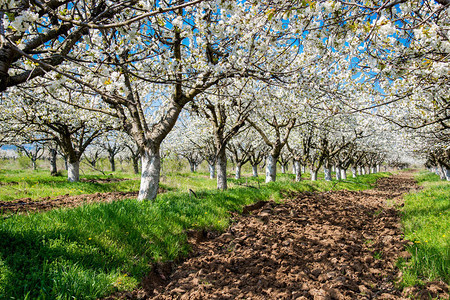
[(426, 222), (94, 250), (38, 184)]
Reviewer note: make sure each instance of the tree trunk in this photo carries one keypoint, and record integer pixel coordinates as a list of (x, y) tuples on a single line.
[(378, 169), (221, 165), (344, 174), (151, 167), (293, 168), (33, 163), (192, 166), (53, 168), (303, 169), (238, 171), (298, 171), (113, 163), (283, 168), (353, 172), (314, 174), (271, 168), (442, 172), (327, 174), (66, 163), (212, 170), (447, 174), (338, 173), (363, 170), (359, 170), (73, 171), (255, 170), (135, 164)]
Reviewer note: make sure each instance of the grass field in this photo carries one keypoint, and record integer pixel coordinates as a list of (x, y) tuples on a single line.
[(91, 251), (426, 222)]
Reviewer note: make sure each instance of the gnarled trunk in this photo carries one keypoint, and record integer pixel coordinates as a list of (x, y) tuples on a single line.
[(112, 162), (53, 168), (255, 170), (298, 171), (151, 168), (283, 168), (221, 164), (447, 173), (327, 173), (192, 166), (338, 173), (33, 162), (442, 171), (73, 171), (353, 172), (135, 164), (271, 168), (212, 170), (238, 172)]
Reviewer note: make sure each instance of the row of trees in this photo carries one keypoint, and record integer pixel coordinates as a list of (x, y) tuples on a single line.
[(72, 70)]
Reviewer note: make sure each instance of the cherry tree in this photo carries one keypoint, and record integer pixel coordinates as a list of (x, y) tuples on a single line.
[(36, 37), (33, 151), (32, 111)]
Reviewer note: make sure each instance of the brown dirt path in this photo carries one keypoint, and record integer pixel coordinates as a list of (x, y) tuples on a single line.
[(333, 245)]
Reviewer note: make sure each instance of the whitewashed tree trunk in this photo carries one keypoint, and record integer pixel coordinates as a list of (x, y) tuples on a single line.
[(442, 172), (298, 171), (33, 162), (73, 171), (238, 172), (313, 174), (212, 171), (303, 169), (344, 174), (378, 170), (53, 168), (271, 168), (255, 170), (358, 169), (353, 172), (151, 167), (221, 166), (293, 168), (363, 170), (338, 173), (283, 168), (436, 171), (327, 173), (447, 174)]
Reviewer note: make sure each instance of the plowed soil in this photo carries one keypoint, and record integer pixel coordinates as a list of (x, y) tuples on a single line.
[(25, 205), (333, 245)]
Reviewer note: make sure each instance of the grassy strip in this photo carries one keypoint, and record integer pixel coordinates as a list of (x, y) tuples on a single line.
[(96, 249), (17, 184), (426, 222)]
